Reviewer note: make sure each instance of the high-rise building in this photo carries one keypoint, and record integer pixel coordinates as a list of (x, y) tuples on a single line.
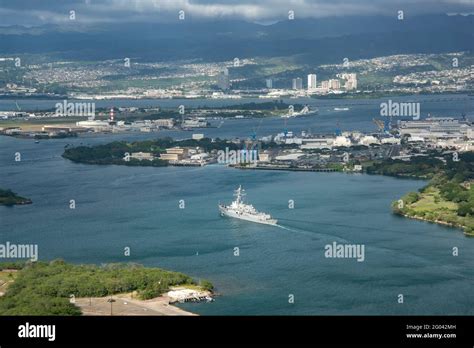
[(354, 82), (334, 84), (297, 83), (351, 81), (312, 80), (325, 85), (269, 83), (349, 85), (223, 81)]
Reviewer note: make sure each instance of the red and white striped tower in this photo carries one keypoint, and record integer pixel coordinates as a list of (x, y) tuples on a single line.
[(111, 114)]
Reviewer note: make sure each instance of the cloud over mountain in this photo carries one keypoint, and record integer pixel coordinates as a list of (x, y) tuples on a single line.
[(33, 12)]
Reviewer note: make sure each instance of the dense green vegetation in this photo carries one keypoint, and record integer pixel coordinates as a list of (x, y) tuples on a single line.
[(417, 167), (44, 288), (114, 153), (271, 105), (8, 197), (448, 198), (16, 265)]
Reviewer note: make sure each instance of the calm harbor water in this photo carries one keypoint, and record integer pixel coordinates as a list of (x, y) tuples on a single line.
[(118, 207)]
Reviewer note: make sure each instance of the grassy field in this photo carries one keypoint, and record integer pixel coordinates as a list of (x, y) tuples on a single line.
[(431, 206), (431, 200)]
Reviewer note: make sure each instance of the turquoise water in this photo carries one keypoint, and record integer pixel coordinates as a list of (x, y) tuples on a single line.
[(118, 207)]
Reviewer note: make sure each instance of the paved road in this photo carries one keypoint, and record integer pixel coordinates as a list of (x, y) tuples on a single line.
[(125, 305)]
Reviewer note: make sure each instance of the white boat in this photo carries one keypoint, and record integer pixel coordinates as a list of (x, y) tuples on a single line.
[(305, 111), (239, 210), (341, 109)]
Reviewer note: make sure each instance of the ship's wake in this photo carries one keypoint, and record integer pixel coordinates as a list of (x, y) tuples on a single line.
[(312, 233), (346, 226), (297, 230)]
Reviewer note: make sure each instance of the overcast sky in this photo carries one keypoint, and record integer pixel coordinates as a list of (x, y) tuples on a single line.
[(36, 12)]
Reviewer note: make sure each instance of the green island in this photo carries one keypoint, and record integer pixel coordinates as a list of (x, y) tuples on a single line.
[(9, 198), (255, 110), (447, 199), (114, 153), (252, 109), (45, 288)]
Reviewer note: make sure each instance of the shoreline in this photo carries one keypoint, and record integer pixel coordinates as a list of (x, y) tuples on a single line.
[(290, 169), (344, 96), (439, 222), (9, 198)]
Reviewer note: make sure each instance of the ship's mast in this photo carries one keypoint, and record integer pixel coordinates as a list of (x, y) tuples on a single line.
[(239, 194)]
